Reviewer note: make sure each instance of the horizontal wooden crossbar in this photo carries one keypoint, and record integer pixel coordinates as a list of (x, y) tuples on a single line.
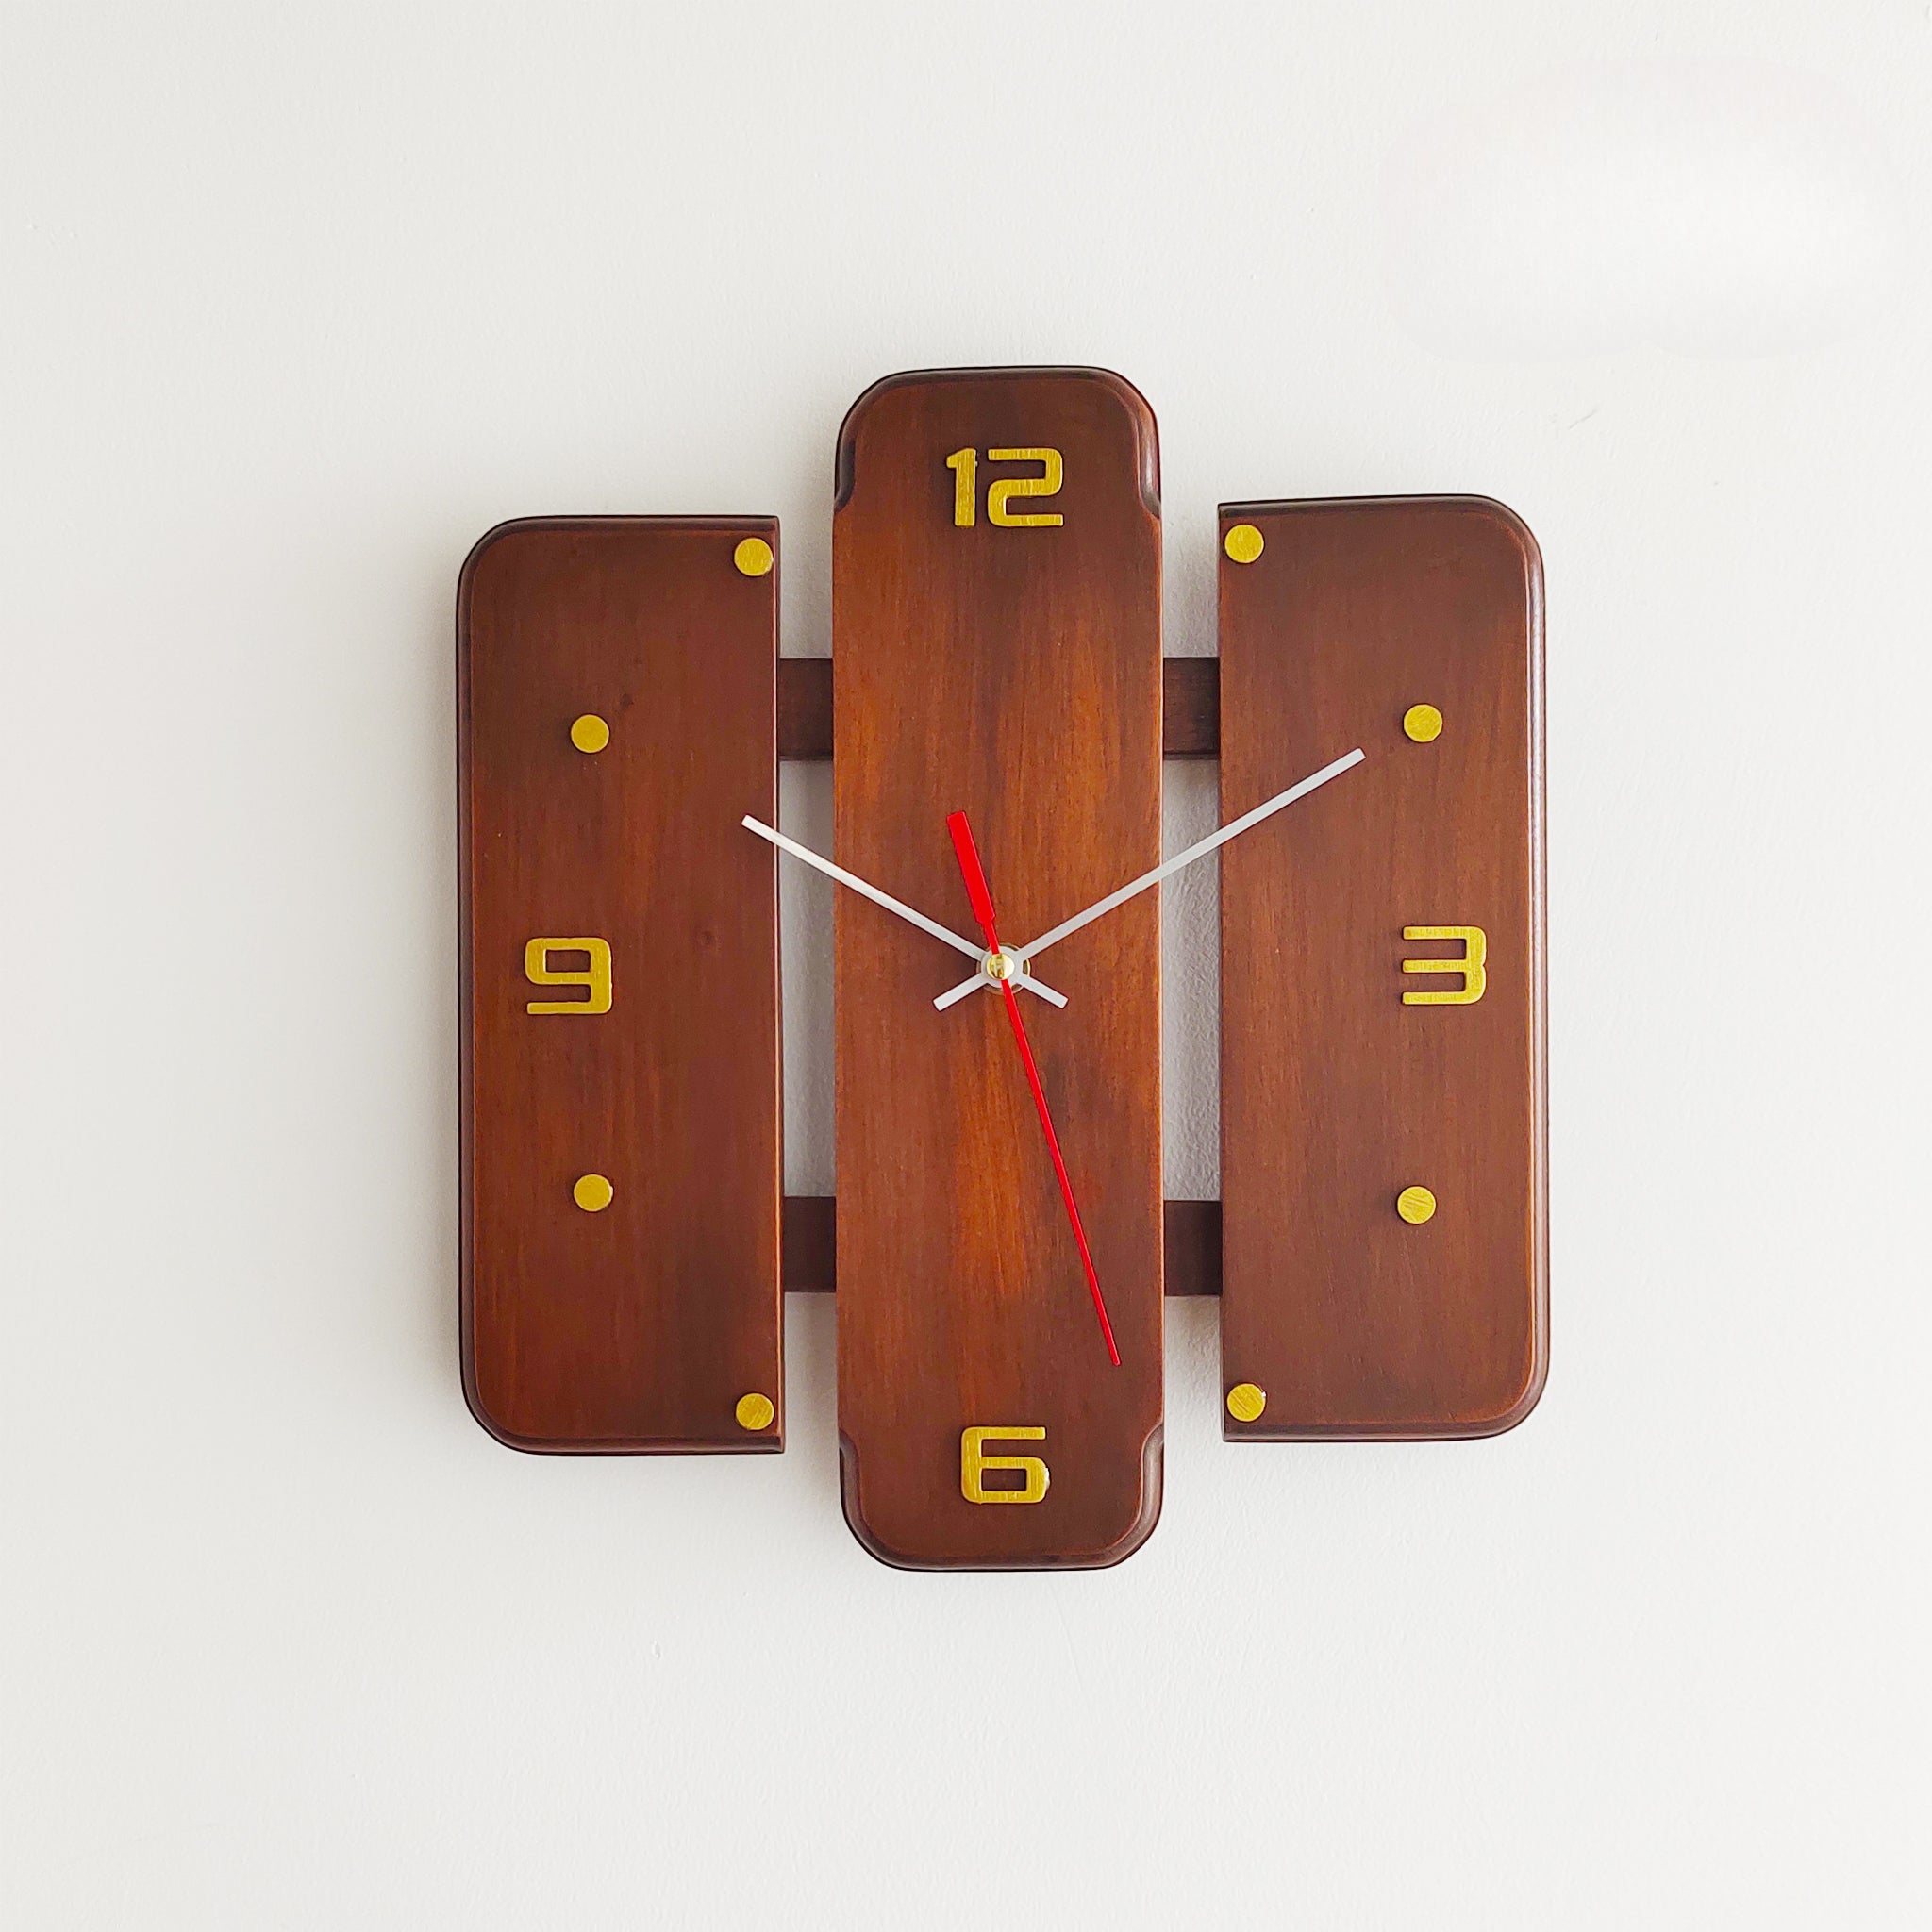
[(810, 1264), (1191, 692)]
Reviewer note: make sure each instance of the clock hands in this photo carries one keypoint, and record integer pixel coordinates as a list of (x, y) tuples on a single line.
[(980, 894), (892, 905), (1018, 957), (1007, 967)]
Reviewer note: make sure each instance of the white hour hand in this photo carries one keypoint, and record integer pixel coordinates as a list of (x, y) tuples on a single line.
[(866, 891)]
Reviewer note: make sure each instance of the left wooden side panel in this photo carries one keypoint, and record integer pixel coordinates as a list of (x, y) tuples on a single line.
[(652, 1322)]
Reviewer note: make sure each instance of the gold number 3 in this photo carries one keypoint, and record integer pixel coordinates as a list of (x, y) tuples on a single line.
[(596, 976), (973, 1463), (964, 465), (1472, 965)]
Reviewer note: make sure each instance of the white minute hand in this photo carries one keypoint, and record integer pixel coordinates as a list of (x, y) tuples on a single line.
[(867, 891), (1212, 843)]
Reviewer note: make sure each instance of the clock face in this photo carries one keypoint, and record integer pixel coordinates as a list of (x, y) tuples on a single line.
[(996, 654), (995, 714)]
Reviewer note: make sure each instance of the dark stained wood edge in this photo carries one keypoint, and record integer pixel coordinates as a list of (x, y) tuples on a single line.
[(1190, 689), (810, 1246)]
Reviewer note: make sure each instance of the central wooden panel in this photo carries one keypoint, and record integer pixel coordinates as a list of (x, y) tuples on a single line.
[(1012, 671)]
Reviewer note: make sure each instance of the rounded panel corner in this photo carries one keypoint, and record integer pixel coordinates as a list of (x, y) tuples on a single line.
[(1153, 1493), (852, 1506), (843, 461), (1517, 1413), (500, 1431), (1147, 432), (1522, 538), (488, 541)]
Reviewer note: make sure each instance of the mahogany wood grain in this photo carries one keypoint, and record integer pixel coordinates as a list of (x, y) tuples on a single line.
[(1015, 674), (810, 1244), (1190, 722), (1334, 1094), (1191, 725), (1191, 1241), (639, 1327), (805, 707)]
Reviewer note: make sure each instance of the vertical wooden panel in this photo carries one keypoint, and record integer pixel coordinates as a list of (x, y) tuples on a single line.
[(1015, 674), (639, 1326), (1337, 1095)]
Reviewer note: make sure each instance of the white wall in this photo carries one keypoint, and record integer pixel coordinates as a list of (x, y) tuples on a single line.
[(298, 301)]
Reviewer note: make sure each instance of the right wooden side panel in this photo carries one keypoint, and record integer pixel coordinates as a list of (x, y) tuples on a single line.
[(1385, 1245)]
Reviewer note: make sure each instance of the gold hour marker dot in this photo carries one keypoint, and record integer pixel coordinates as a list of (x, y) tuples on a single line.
[(1422, 722), (590, 732), (755, 1411), (752, 557), (591, 1193), (1245, 1402), (1245, 543), (1415, 1206)]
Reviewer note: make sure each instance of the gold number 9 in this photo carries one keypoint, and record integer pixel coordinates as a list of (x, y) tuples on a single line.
[(596, 976), (973, 1463)]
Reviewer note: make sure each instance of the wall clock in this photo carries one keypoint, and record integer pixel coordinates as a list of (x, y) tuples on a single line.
[(997, 709)]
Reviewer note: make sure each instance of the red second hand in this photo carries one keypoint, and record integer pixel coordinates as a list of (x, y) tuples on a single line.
[(980, 894)]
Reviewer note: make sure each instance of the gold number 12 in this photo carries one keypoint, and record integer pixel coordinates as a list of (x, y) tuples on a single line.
[(964, 465)]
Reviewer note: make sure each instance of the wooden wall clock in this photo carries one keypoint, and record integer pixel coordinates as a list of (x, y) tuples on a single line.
[(997, 709)]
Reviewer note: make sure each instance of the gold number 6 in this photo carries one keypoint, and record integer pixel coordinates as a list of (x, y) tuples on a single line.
[(973, 1463), (596, 976)]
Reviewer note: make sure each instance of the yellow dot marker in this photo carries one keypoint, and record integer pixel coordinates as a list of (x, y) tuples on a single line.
[(752, 557), (1245, 1402), (591, 1193), (590, 732), (1245, 543), (755, 1411), (1422, 722), (1415, 1206)]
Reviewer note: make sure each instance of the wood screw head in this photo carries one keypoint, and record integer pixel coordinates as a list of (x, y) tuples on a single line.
[(1245, 1402), (1415, 1206)]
